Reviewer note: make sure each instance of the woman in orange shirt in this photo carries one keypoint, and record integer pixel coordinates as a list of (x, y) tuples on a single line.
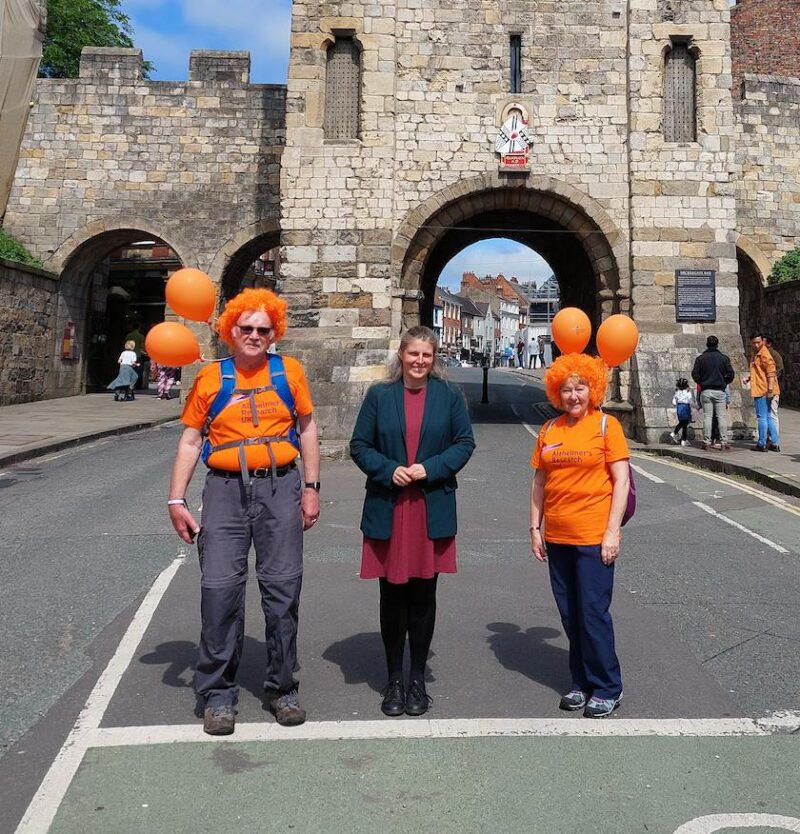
[(578, 497)]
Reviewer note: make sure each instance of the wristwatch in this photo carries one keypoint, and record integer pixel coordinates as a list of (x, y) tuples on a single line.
[(312, 485)]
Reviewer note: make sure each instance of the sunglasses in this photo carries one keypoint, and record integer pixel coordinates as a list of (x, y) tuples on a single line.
[(247, 330)]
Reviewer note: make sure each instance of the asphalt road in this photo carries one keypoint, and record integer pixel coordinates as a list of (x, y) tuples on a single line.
[(705, 610)]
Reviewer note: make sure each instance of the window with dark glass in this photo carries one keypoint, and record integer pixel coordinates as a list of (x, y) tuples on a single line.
[(516, 63), (342, 89), (680, 120)]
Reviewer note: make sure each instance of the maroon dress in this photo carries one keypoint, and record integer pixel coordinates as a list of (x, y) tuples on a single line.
[(409, 553)]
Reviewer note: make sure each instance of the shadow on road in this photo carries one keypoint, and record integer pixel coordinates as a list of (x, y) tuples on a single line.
[(529, 653)]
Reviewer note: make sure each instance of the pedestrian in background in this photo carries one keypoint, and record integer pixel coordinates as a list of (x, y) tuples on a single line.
[(683, 401), (125, 381), (248, 416), (578, 497), (541, 351), (775, 401), (166, 377), (411, 437), (713, 371), (763, 381)]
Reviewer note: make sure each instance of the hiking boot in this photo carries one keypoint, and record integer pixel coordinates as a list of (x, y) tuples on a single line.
[(394, 698), (220, 720), (417, 700), (573, 700), (601, 707), (285, 707)]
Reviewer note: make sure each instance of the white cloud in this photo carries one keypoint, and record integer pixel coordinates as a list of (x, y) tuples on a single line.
[(491, 257)]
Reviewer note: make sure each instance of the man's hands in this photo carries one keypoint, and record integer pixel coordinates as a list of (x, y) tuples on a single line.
[(183, 522), (404, 475), (538, 547), (309, 505)]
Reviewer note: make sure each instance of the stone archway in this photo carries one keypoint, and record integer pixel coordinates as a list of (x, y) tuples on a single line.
[(80, 261), (570, 230), (753, 267)]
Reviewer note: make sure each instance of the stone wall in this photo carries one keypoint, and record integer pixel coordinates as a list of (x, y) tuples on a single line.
[(765, 38), (768, 168), (780, 312), (27, 316)]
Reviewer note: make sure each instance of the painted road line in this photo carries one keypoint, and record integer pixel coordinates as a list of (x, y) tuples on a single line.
[(654, 478), (524, 425), (722, 822), (738, 526), (44, 805), (438, 728), (721, 479)]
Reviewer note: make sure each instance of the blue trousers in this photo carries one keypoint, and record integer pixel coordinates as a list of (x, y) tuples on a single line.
[(582, 586), (766, 421)]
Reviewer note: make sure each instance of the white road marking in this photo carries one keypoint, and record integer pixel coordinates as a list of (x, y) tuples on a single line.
[(738, 526), (524, 425), (433, 728), (654, 478), (719, 822), (45, 803), (721, 479)]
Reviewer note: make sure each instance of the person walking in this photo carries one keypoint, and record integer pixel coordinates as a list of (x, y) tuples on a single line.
[(166, 377), (125, 381), (683, 401), (763, 381), (713, 371), (240, 417), (541, 341), (578, 497), (775, 401), (533, 352), (411, 437)]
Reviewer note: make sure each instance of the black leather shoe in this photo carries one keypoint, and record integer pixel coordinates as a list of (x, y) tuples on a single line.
[(417, 700), (394, 698)]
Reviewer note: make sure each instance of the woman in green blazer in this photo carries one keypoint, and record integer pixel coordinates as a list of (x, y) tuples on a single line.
[(412, 436)]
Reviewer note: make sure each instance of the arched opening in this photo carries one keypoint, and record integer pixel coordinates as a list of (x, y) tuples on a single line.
[(751, 292), (111, 289), (583, 250), (254, 264)]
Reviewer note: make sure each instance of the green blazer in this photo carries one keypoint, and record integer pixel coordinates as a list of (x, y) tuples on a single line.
[(378, 447)]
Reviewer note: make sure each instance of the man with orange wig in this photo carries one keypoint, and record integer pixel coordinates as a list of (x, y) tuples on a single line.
[(249, 417)]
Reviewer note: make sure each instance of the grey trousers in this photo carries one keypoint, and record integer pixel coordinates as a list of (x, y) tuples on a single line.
[(713, 403), (269, 517)]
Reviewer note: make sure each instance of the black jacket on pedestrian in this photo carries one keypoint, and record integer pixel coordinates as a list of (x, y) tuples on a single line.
[(712, 370)]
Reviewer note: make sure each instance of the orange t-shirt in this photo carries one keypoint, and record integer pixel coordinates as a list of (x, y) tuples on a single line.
[(578, 485), (763, 374), (235, 422)]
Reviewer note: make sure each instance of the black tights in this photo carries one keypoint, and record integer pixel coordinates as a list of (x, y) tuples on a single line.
[(681, 427), (408, 609)]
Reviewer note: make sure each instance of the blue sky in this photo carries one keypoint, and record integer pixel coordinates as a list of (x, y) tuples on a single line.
[(167, 30)]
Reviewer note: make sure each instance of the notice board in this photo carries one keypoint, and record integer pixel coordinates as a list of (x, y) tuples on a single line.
[(695, 295)]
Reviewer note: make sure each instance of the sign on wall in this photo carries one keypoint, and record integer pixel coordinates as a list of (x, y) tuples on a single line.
[(695, 295)]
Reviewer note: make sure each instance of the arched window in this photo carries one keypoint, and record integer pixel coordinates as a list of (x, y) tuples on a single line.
[(680, 122), (343, 89)]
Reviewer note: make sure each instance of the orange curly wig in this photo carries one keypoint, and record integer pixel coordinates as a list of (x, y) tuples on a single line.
[(592, 369), (250, 301)]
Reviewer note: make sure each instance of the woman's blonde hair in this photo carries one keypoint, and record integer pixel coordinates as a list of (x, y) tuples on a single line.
[(590, 369), (424, 334), (252, 301), (130, 344)]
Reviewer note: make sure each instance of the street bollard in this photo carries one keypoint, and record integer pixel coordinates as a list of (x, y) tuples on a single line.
[(485, 397)]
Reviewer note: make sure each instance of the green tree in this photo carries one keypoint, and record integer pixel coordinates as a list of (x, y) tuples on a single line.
[(787, 268), (73, 24)]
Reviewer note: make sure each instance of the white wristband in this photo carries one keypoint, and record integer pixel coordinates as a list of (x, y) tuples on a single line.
[(175, 501)]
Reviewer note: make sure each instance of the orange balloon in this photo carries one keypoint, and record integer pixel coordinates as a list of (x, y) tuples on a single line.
[(617, 338), (571, 330), (172, 344), (191, 294)]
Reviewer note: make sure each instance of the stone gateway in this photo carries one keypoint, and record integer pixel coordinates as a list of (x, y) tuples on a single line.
[(632, 160)]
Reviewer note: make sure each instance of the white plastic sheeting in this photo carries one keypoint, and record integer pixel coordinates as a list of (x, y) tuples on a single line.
[(21, 27)]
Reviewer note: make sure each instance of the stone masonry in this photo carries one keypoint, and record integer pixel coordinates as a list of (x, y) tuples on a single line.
[(218, 168)]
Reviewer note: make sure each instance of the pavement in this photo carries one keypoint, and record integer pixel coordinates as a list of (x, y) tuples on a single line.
[(29, 430)]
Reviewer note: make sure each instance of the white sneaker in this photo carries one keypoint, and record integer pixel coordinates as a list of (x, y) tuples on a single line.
[(684, 442), (674, 437)]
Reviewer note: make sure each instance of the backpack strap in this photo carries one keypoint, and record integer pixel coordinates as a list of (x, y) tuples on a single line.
[(547, 426), (603, 424), (227, 373), (277, 375)]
